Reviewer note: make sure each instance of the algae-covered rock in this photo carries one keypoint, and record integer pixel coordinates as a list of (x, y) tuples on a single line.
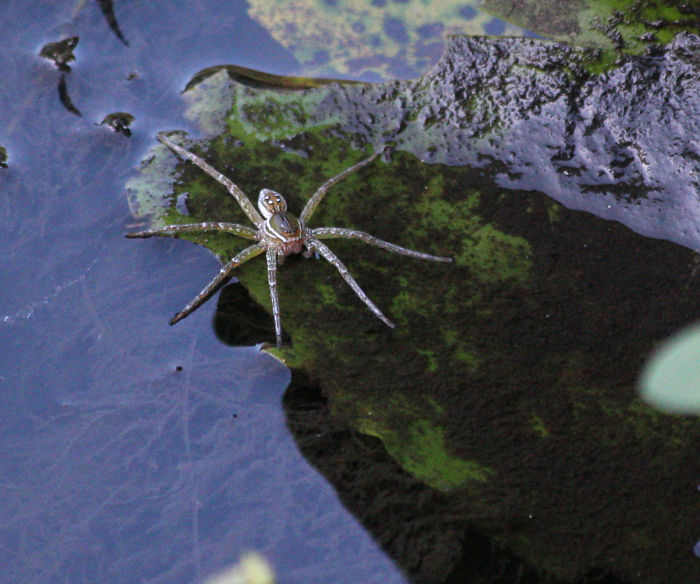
[(622, 144), (617, 26), (508, 385)]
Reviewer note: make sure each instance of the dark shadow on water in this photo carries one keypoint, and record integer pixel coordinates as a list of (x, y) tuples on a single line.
[(239, 320)]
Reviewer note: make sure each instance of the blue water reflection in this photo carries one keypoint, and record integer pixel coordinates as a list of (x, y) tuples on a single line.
[(131, 451)]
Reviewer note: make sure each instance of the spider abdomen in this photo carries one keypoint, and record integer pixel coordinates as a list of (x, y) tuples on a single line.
[(286, 231)]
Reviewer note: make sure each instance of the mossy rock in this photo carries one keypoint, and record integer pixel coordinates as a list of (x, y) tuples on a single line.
[(511, 373), (616, 26)]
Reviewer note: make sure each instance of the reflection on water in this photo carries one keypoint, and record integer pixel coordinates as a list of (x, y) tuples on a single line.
[(133, 451)]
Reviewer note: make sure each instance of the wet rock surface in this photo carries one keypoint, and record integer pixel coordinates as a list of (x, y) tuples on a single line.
[(508, 386), (621, 144)]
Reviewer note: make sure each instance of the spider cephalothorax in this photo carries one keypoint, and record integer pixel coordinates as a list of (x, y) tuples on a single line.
[(278, 234), (280, 230)]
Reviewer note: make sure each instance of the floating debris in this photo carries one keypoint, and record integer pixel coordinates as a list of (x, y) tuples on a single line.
[(60, 52), (107, 7), (119, 122), (65, 98)]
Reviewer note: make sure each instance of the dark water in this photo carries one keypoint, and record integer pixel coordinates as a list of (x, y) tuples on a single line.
[(132, 451)]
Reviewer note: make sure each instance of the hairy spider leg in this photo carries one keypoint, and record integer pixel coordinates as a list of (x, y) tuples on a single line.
[(342, 233), (309, 237), (271, 257), (325, 251), (316, 198), (240, 258), (235, 228), (235, 191)]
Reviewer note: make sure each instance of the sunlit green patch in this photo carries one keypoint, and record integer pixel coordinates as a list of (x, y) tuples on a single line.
[(413, 435), (613, 26), (431, 357), (553, 212), (539, 426), (421, 451), (492, 256)]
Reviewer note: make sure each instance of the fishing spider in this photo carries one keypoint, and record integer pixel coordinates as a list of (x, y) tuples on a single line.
[(278, 233)]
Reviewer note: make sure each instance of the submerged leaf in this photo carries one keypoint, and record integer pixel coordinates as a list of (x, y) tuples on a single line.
[(371, 38)]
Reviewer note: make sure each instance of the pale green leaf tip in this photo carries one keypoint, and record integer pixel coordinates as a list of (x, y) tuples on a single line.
[(252, 569), (670, 381)]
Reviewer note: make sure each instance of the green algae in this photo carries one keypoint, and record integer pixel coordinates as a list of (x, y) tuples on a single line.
[(325, 298), (539, 427), (614, 27), (421, 450), (533, 336)]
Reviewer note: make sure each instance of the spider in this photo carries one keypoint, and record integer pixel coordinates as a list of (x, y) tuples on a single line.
[(278, 233)]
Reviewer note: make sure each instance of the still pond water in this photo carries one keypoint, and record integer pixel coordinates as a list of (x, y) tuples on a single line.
[(132, 451)]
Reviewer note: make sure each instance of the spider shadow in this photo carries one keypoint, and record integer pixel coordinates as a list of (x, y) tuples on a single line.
[(239, 320)]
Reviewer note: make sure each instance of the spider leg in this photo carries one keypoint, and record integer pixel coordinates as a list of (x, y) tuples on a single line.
[(316, 198), (325, 251), (340, 232), (235, 191), (235, 228), (272, 281), (240, 258)]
